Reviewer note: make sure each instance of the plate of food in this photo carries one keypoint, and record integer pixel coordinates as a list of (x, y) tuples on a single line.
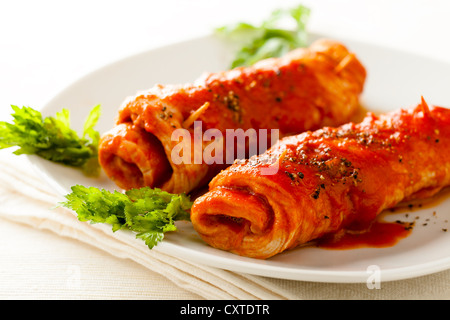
[(328, 163)]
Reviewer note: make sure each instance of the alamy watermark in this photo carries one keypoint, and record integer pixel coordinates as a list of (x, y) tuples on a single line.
[(73, 280), (215, 147), (374, 279)]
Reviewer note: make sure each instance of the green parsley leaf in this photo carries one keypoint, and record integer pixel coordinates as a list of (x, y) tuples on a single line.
[(148, 212), (270, 38), (52, 138)]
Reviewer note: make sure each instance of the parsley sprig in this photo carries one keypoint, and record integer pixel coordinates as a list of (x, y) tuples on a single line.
[(270, 38), (52, 138), (148, 212)]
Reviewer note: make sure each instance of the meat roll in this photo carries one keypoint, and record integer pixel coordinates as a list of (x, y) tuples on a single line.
[(304, 90), (327, 180)]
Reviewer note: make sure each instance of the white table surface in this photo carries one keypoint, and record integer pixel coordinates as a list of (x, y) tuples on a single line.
[(45, 45)]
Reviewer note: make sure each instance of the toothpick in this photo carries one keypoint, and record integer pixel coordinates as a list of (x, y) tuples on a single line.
[(344, 62), (195, 115)]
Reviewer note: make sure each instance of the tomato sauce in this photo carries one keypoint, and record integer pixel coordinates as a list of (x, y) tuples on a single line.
[(381, 234), (378, 235)]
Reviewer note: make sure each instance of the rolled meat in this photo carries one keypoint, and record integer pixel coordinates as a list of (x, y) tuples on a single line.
[(304, 90), (326, 180)]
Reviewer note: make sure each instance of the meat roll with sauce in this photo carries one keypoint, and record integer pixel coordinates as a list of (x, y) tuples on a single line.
[(304, 90), (327, 180)]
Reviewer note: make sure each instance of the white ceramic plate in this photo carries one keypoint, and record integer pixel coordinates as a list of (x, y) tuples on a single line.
[(395, 79)]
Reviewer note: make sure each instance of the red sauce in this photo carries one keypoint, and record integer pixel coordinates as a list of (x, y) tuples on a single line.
[(382, 234), (379, 235)]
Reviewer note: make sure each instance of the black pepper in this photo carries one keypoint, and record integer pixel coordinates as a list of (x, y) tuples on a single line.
[(290, 175), (316, 193)]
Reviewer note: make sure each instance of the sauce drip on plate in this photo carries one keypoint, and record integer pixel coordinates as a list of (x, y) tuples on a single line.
[(381, 233), (378, 235)]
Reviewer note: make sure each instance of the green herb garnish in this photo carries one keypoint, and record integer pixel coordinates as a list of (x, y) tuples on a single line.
[(269, 39), (52, 138), (149, 212)]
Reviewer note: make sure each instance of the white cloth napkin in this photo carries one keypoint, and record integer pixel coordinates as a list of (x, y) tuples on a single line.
[(26, 199)]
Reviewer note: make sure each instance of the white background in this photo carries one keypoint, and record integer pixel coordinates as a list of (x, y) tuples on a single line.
[(45, 45)]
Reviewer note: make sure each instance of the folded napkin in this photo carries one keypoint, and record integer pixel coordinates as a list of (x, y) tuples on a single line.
[(25, 198)]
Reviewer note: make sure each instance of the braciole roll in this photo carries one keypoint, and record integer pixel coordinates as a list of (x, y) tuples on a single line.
[(304, 90), (326, 180)]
